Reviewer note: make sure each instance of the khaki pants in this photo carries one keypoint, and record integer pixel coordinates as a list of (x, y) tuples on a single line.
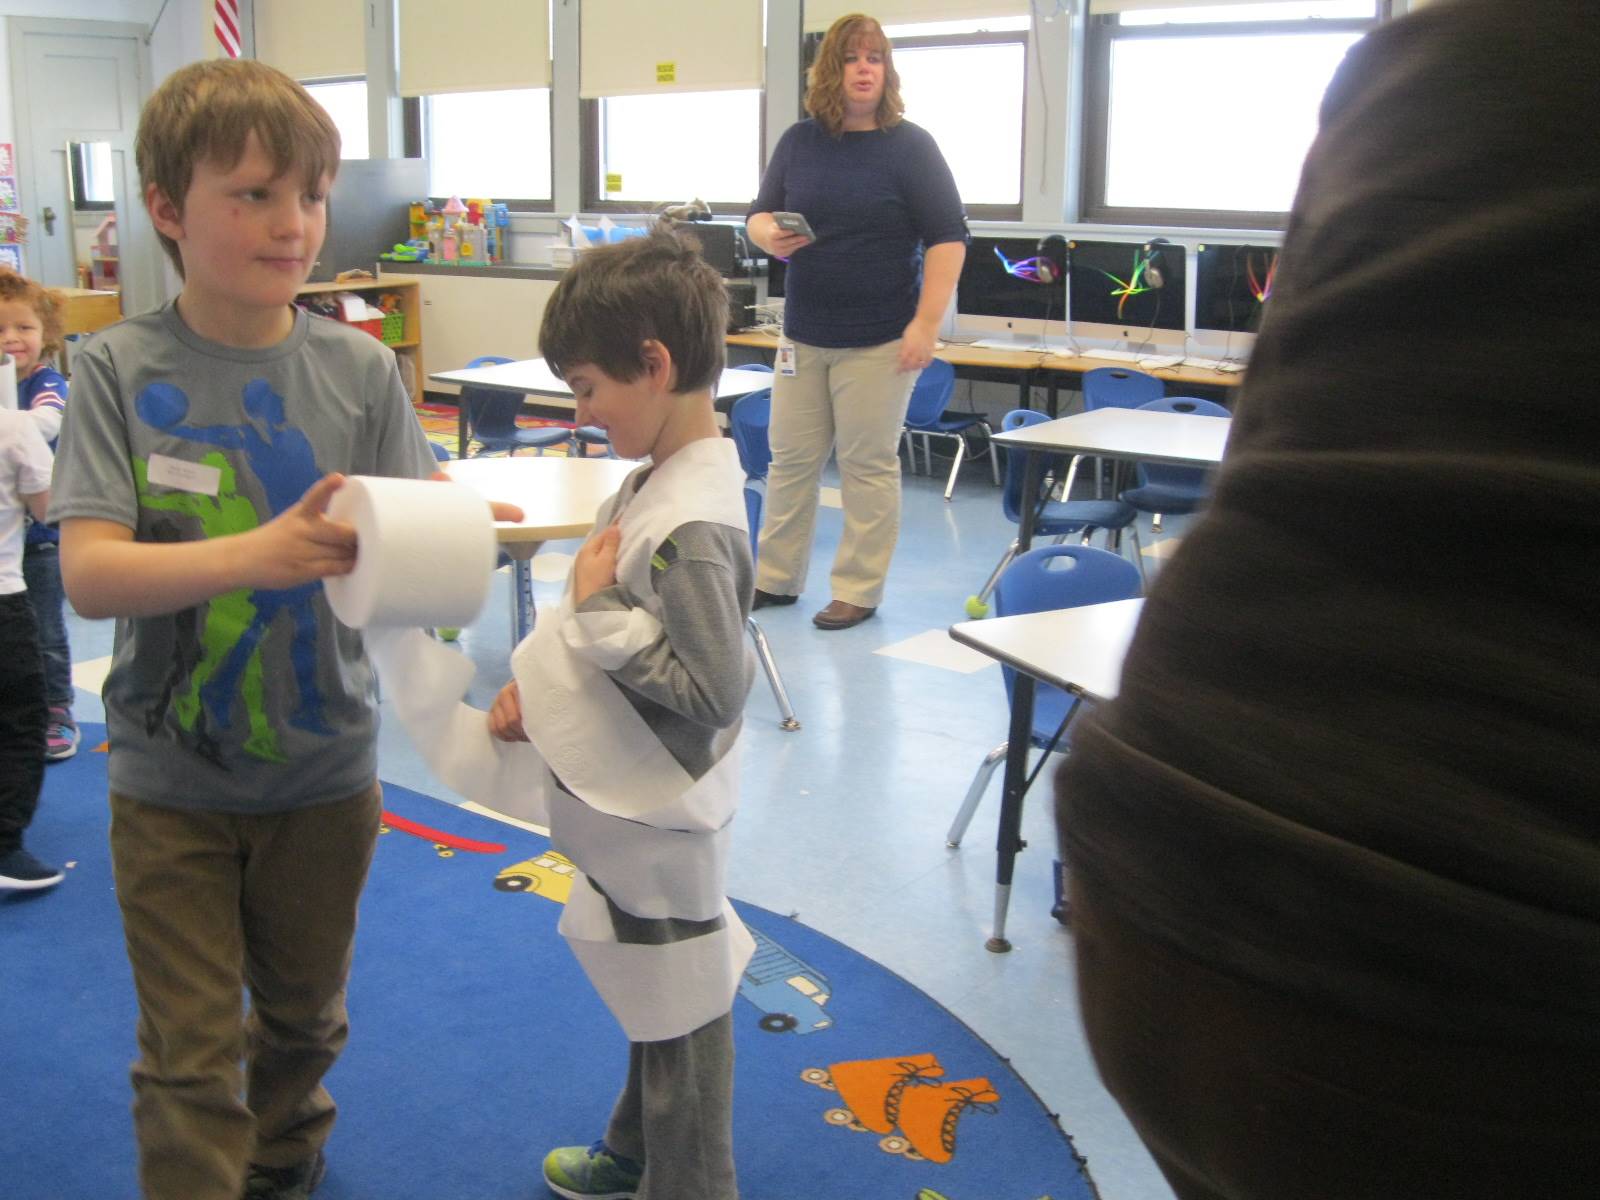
[(855, 401), (213, 903)]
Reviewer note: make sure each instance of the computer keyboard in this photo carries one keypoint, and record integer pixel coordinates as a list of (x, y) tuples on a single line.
[(1126, 356), (1214, 364), (1155, 362)]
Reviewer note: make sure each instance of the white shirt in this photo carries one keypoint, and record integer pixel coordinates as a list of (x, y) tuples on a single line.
[(25, 463)]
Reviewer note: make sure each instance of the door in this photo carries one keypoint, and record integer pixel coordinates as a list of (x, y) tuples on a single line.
[(81, 82)]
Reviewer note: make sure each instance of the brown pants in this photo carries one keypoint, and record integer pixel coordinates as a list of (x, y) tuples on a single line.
[(213, 903), (1245, 1093)]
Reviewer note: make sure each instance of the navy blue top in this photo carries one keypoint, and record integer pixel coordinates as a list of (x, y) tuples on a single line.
[(874, 199)]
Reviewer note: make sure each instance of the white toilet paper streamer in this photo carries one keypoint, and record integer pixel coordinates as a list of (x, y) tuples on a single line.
[(424, 553), (424, 556)]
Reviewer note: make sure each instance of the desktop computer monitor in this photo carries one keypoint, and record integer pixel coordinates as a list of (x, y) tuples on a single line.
[(1232, 287), (1127, 291), (1012, 289)]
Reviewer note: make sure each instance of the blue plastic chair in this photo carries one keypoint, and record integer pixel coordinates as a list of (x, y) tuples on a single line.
[(1164, 488), (492, 418), (748, 422), (1055, 518), (1040, 581), (1117, 387), (926, 418), (585, 436)]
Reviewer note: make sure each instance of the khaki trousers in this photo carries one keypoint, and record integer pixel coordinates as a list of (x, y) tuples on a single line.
[(853, 401), (212, 904)]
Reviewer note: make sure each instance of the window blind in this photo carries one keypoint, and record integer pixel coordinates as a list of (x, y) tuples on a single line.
[(473, 46), (636, 47), (312, 39)]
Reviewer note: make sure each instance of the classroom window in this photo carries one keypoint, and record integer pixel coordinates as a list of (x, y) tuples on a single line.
[(1203, 115), (346, 102), (671, 147), (494, 144), (966, 89)]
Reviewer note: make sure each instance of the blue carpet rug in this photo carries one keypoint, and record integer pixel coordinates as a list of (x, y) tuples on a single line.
[(477, 1044)]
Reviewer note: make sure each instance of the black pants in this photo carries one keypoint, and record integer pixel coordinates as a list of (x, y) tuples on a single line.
[(1245, 1093), (22, 718)]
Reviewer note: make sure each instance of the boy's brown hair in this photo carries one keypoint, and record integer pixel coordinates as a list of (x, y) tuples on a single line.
[(19, 289), (615, 298), (205, 112), (825, 91)]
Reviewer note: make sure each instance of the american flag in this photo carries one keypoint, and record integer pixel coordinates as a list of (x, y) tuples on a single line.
[(226, 25)]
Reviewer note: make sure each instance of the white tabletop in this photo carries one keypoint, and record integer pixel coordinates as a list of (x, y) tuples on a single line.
[(1185, 439), (531, 376), (1076, 649), (558, 496)]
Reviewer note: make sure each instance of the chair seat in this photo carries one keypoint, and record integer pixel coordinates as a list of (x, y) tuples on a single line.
[(959, 423), (1070, 516), (1050, 706), (541, 438), (1166, 498)]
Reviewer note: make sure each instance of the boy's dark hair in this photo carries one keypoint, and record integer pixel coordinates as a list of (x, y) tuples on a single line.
[(19, 289), (614, 298), (205, 112)]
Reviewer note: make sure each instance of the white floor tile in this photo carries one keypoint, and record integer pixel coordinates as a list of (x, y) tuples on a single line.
[(935, 648)]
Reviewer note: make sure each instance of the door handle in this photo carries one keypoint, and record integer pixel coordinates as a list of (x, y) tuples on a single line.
[(49, 220)]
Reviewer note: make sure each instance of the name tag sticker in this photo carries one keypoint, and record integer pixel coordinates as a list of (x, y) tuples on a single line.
[(185, 476), (786, 358)]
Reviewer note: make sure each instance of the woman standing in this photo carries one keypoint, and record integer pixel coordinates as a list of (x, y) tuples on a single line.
[(863, 299)]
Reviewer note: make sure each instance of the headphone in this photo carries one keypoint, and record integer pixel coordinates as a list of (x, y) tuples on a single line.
[(1047, 270), (1155, 263)]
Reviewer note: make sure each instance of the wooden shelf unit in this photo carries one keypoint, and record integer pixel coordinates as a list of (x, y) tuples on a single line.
[(409, 289)]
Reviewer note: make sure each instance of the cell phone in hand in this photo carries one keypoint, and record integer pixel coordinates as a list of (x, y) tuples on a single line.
[(793, 222)]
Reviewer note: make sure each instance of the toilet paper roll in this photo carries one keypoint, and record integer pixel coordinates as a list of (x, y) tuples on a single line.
[(8, 381), (425, 551)]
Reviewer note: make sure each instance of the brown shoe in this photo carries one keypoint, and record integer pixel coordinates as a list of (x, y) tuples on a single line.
[(839, 615)]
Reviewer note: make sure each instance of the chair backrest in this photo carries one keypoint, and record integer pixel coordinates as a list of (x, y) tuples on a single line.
[(747, 422), (765, 368), (1065, 576), (440, 454), (931, 395), (1016, 461), (1119, 387), (490, 414), (1167, 474)]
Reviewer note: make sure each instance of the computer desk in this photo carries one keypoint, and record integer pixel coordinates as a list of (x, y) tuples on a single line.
[(1028, 368)]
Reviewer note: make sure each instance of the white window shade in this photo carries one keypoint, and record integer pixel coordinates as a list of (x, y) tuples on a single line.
[(635, 47), (473, 46), (821, 14), (1097, 7), (312, 39)]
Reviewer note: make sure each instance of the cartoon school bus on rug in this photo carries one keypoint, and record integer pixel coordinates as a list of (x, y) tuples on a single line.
[(790, 993), (549, 874)]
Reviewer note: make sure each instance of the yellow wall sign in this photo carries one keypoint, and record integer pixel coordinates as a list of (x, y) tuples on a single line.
[(614, 182), (667, 72)]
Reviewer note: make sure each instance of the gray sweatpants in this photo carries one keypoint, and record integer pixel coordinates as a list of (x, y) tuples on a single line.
[(675, 1115)]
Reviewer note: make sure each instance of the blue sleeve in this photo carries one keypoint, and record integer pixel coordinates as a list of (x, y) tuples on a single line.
[(930, 191), (770, 198)]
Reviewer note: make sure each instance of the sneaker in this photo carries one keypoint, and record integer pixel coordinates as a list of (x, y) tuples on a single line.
[(591, 1173), (285, 1183), (60, 735), (24, 872)]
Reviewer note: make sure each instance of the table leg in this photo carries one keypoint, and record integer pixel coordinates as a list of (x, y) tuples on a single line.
[(1010, 840), (1029, 500), (522, 607), (461, 427)]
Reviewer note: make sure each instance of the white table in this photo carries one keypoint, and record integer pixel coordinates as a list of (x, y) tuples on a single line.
[(1079, 650), (558, 498), (533, 377), (1127, 434)]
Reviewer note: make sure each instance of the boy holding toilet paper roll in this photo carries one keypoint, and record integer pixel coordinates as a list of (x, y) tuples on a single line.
[(197, 459), (632, 691)]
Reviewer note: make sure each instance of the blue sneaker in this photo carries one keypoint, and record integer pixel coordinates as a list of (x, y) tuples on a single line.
[(591, 1173)]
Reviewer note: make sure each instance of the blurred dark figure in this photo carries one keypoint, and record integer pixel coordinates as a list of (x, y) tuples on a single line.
[(1335, 850)]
